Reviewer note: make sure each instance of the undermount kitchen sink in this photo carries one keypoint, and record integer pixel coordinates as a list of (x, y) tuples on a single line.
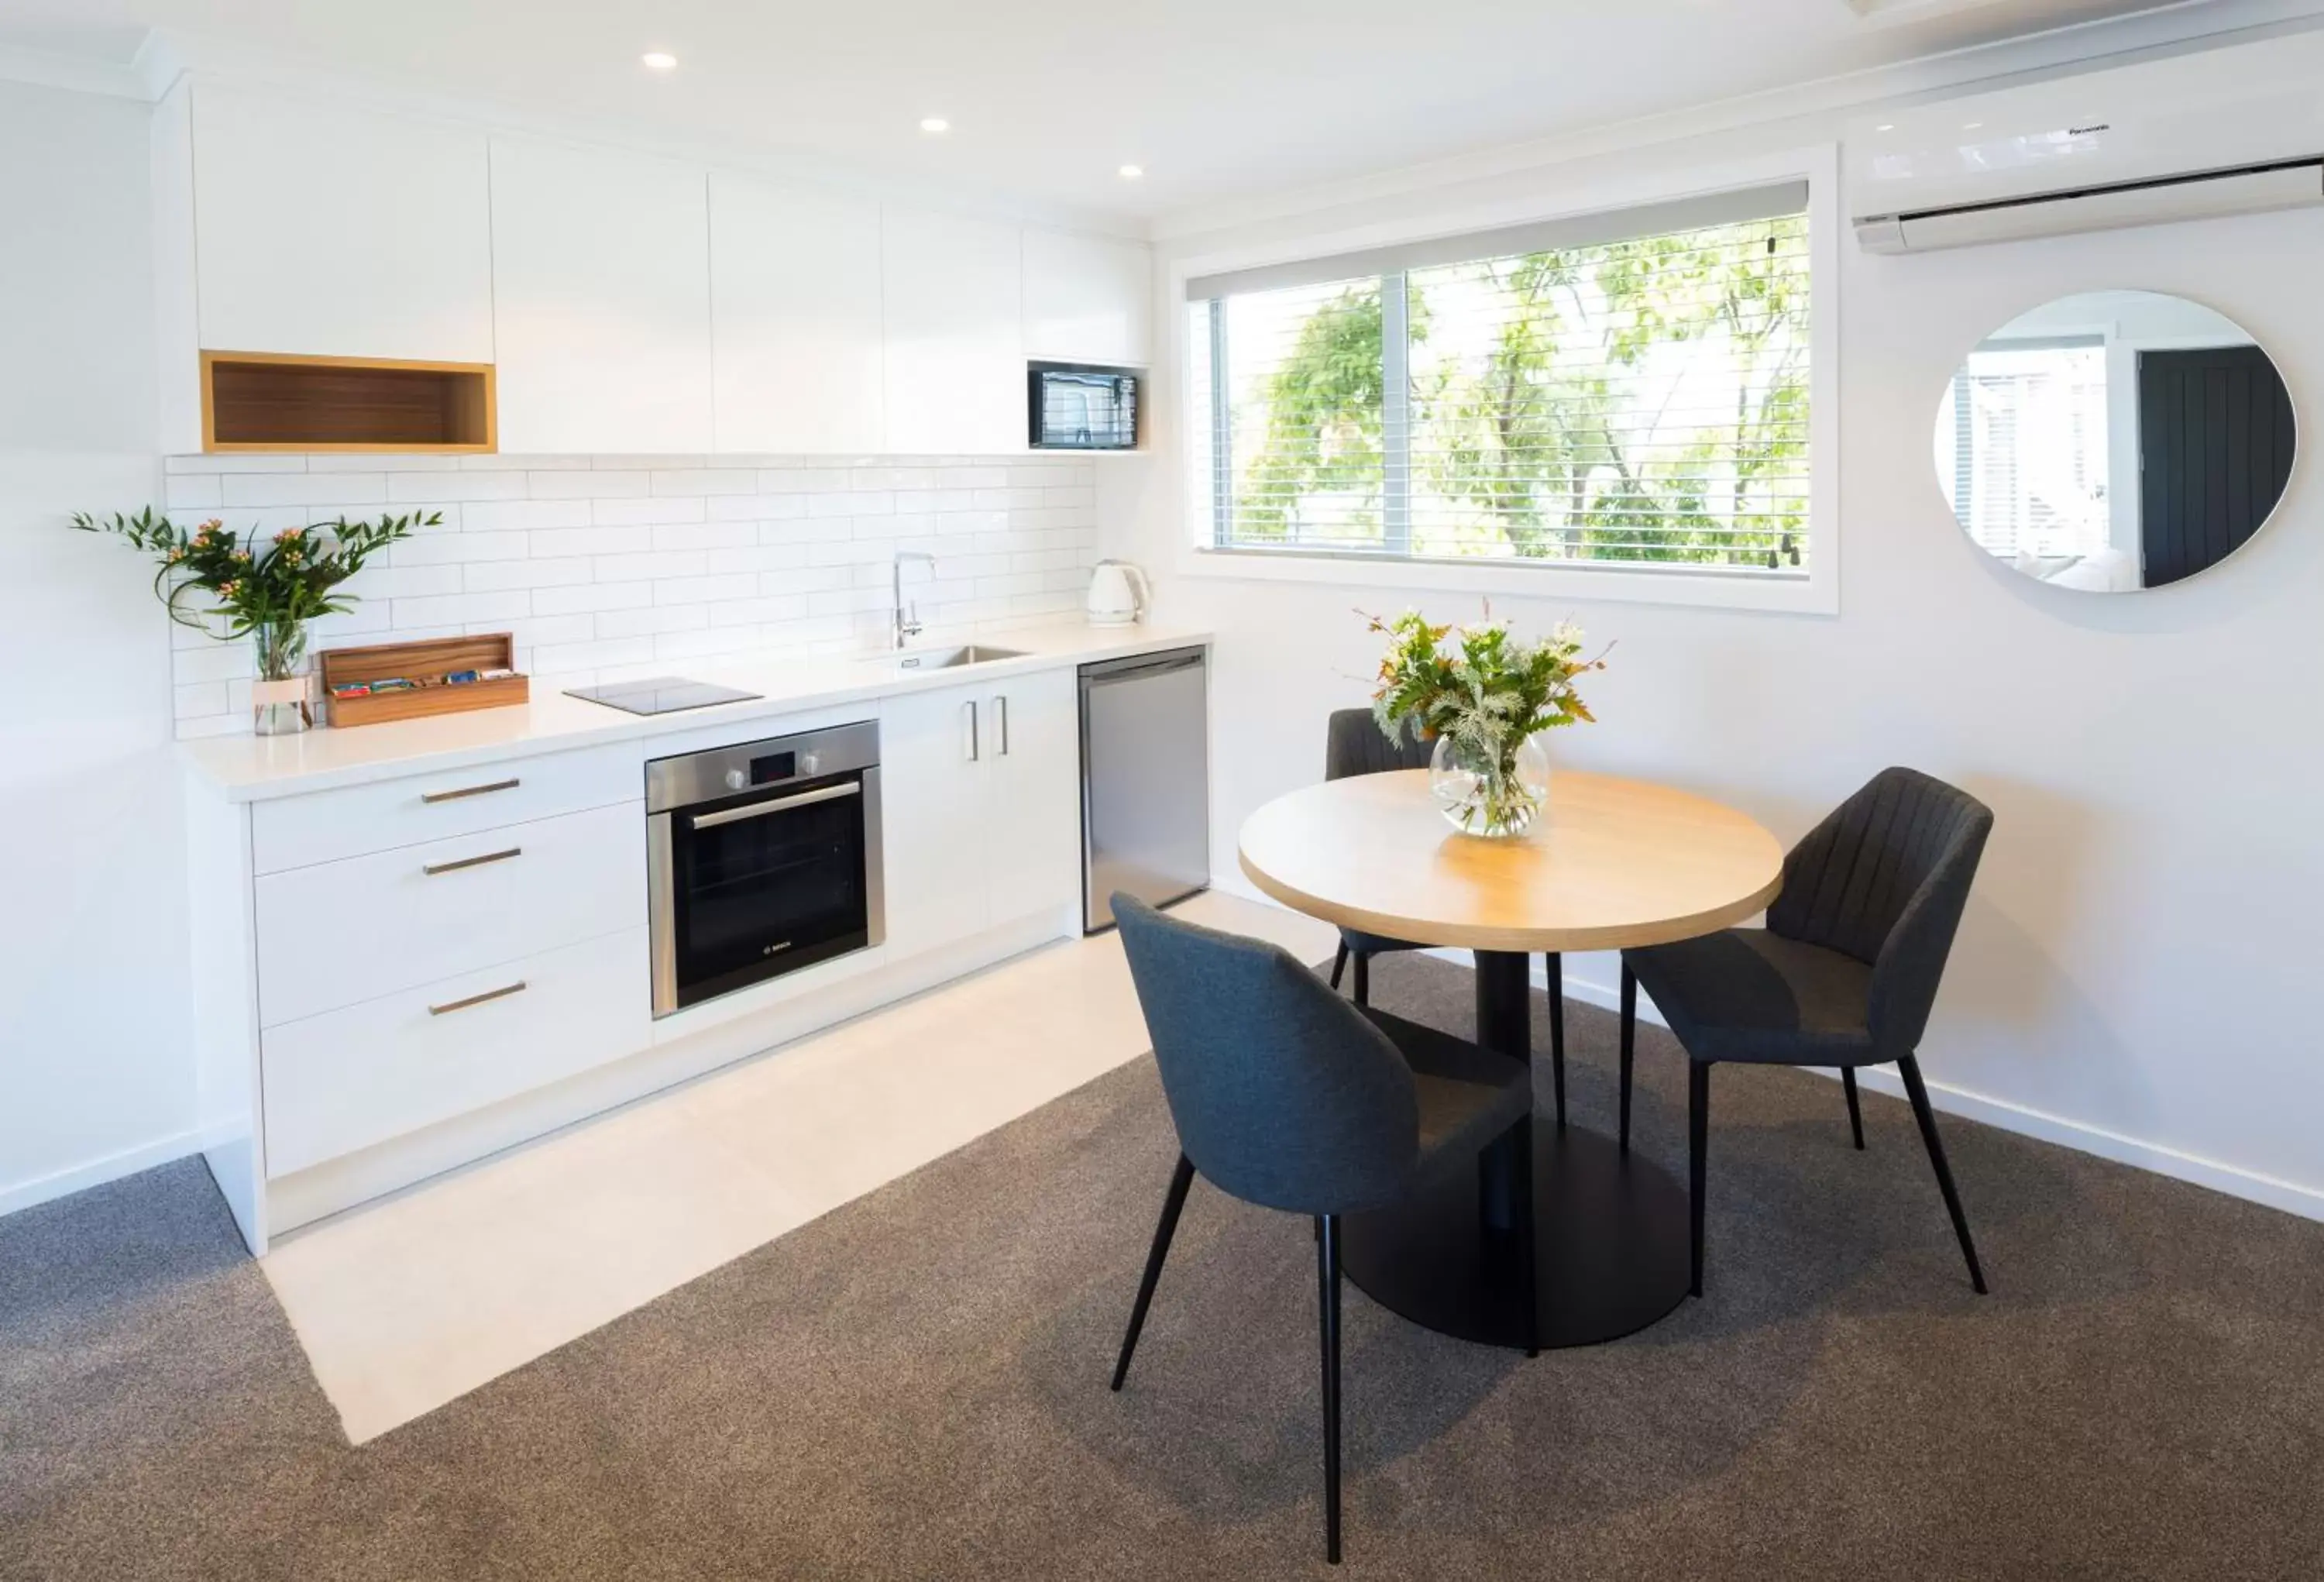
[(949, 659)]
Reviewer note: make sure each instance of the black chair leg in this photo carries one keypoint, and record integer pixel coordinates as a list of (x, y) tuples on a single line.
[(1629, 1044), (1919, 1093), (1855, 1110), (1554, 974), (1327, 1303), (1698, 1140), (1182, 1178), (1363, 978), (1339, 964)]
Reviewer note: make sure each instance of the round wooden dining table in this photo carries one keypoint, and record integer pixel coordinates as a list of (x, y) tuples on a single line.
[(1561, 1237)]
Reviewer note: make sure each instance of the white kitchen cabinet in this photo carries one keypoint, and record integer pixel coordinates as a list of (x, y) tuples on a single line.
[(352, 1078), (326, 230), (601, 300), (1033, 821), (981, 799), (795, 318), (451, 906), (932, 802), (954, 341), (1087, 299)]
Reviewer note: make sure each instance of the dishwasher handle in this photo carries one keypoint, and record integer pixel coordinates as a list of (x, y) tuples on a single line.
[(1139, 666)]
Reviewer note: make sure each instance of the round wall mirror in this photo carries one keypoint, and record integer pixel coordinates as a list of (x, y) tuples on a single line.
[(2114, 441)]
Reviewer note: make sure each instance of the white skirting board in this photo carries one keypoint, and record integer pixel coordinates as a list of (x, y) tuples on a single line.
[(1601, 987), (113, 1166)]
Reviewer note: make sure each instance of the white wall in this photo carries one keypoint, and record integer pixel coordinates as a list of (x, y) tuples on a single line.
[(2134, 975), (96, 1065)]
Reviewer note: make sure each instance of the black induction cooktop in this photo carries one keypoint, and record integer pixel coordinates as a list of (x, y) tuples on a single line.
[(659, 695)]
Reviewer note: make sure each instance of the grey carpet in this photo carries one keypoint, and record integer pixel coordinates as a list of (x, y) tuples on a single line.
[(915, 1385)]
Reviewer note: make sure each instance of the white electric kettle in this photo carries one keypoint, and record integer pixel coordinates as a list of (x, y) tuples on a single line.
[(1118, 594)]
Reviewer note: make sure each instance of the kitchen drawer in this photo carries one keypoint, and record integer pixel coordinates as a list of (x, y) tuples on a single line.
[(325, 825), (335, 933), (352, 1078)]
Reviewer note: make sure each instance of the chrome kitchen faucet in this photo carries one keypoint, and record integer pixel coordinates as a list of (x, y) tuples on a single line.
[(908, 625)]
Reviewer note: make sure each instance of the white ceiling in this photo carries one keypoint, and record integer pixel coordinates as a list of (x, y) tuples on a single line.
[(1215, 98)]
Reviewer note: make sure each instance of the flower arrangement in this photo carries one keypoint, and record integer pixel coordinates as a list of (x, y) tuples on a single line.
[(268, 592), (1484, 695), (289, 582)]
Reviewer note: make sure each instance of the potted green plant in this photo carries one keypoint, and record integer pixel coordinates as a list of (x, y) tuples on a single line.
[(267, 593), (1485, 696)]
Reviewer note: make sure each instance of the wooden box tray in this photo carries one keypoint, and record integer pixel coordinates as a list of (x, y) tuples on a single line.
[(427, 663)]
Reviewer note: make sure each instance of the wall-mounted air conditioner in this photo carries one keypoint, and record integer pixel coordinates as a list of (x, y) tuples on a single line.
[(2224, 131)]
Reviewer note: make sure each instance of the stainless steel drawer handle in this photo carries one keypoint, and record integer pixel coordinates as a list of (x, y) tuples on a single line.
[(470, 790), (453, 867), (486, 998), (1001, 712), (829, 793)]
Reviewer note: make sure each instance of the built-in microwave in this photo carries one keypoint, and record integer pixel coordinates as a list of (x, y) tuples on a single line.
[(1082, 406)]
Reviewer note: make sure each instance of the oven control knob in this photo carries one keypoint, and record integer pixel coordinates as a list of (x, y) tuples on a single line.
[(810, 763), (738, 780)]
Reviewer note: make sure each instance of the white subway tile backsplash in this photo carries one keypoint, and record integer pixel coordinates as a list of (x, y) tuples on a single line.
[(270, 489), (610, 566), (192, 491)]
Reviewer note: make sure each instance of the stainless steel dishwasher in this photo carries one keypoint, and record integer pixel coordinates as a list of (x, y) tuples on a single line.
[(1146, 781)]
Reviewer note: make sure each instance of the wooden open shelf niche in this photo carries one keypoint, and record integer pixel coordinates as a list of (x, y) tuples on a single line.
[(264, 401)]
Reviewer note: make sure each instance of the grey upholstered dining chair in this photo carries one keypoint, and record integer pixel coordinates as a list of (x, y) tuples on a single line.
[(1286, 1096), (1844, 975), (1353, 743)]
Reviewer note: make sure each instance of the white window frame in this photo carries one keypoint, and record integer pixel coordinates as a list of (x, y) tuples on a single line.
[(1817, 592)]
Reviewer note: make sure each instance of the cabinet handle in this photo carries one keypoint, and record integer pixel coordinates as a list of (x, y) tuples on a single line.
[(489, 995), (453, 867), (968, 713), (1000, 713), (470, 790)]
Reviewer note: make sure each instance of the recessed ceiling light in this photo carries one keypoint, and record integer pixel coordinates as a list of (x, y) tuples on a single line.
[(1971, 126), (935, 124), (656, 61), (1132, 173), (1889, 126)]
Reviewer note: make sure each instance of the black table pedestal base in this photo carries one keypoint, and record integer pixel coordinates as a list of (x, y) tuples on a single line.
[(1610, 1248)]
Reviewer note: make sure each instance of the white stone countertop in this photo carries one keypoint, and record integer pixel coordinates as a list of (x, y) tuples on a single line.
[(258, 768)]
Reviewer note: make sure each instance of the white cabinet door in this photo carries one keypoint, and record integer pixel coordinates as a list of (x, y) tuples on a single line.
[(795, 318), (601, 301), (1032, 839), (956, 342), (933, 817), (354, 1076), (332, 231), (1087, 299)]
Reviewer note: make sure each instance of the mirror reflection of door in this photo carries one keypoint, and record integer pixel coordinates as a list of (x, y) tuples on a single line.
[(2114, 440), (2216, 438)]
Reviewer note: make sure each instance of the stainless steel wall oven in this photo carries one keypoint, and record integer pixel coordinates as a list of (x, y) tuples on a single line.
[(762, 859)]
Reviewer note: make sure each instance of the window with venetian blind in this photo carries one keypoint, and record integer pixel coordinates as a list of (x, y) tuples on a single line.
[(1625, 391)]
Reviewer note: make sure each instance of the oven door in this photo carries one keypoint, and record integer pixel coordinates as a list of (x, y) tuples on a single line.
[(751, 887)]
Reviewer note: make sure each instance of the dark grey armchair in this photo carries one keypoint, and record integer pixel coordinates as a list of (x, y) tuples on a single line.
[(1844, 975), (1354, 745), (1286, 1096)]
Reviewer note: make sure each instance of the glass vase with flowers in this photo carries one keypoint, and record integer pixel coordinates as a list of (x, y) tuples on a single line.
[(1486, 696), (214, 581)]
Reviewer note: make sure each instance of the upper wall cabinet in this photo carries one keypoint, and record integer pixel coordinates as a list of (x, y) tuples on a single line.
[(334, 232), (1087, 299), (795, 318), (601, 300), (954, 341)]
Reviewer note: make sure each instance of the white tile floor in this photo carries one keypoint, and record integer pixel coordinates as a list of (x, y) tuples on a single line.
[(411, 1302)]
